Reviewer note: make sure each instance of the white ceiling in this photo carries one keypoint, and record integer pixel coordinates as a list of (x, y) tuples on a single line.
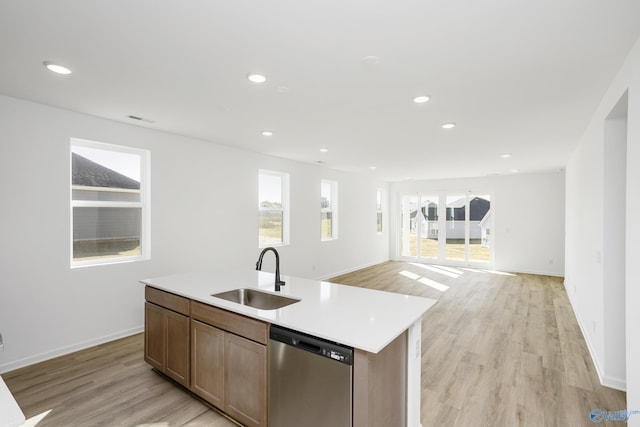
[(517, 76)]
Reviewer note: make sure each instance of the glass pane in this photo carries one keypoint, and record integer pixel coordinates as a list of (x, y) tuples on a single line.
[(325, 195), (269, 227), (379, 222), (379, 200), (455, 229), (480, 225), (270, 191), (326, 225), (428, 217), (114, 175), (409, 218), (106, 232)]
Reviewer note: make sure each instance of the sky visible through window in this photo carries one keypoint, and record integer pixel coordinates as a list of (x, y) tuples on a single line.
[(270, 188)]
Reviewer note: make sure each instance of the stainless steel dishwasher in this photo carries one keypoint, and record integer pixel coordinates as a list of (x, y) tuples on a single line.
[(310, 380)]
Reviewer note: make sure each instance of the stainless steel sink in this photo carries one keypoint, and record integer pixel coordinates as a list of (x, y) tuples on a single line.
[(256, 299)]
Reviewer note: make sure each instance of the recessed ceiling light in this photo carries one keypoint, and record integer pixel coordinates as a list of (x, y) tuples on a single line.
[(266, 133), (505, 155), (515, 170), (324, 149), (56, 68), (373, 168), (256, 78), (448, 125), (421, 99)]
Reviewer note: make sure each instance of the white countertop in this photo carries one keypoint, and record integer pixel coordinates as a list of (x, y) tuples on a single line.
[(358, 317), (10, 413)]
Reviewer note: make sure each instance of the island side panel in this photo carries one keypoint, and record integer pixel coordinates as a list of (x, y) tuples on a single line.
[(380, 386), (414, 373)]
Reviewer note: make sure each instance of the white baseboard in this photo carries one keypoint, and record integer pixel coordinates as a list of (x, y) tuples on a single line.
[(617, 383), (536, 272), (611, 382), (21, 363)]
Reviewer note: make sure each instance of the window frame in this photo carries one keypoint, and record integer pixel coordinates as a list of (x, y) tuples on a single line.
[(144, 203), (333, 209), (284, 208)]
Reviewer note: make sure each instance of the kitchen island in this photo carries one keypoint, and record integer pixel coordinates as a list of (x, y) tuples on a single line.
[(383, 328)]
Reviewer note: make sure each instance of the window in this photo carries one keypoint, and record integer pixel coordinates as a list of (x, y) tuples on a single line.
[(109, 203), (273, 208), (379, 211), (328, 210)]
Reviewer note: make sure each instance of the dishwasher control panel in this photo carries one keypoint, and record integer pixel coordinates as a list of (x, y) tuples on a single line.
[(332, 350)]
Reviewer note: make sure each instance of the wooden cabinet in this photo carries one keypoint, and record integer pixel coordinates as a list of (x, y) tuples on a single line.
[(207, 362), (246, 380), (166, 327), (229, 362)]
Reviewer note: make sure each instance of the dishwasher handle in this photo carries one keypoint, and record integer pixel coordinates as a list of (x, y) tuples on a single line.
[(324, 348), (307, 346)]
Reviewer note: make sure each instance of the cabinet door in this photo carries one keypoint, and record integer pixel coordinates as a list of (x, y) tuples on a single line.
[(177, 359), (246, 381), (154, 336), (207, 362)]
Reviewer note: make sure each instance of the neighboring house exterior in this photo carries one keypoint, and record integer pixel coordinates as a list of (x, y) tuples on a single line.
[(427, 217), (97, 230)]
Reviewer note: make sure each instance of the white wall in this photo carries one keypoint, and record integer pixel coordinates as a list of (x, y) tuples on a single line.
[(589, 189), (528, 217), (204, 215), (613, 244)]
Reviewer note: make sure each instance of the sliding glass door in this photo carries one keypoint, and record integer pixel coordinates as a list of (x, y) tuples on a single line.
[(453, 228), (480, 228)]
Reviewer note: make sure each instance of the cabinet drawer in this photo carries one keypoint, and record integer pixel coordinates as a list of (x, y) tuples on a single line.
[(168, 300), (254, 330)]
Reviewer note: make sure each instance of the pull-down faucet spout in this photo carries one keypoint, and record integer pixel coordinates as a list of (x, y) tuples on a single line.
[(259, 266)]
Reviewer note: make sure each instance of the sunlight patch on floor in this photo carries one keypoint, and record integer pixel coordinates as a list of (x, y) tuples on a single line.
[(473, 270), (435, 285), (410, 275), (432, 283), (451, 269), (437, 269)]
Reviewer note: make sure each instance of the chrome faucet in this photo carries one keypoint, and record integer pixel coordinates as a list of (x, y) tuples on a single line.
[(259, 266)]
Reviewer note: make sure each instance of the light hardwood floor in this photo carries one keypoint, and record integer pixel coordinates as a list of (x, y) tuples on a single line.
[(498, 350)]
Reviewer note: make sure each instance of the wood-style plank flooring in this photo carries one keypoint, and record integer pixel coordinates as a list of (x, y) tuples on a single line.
[(498, 350)]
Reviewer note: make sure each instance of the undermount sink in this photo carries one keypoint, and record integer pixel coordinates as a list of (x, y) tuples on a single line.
[(256, 299)]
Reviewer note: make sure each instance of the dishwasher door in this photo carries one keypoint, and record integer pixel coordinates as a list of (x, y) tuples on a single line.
[(310, 381)]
